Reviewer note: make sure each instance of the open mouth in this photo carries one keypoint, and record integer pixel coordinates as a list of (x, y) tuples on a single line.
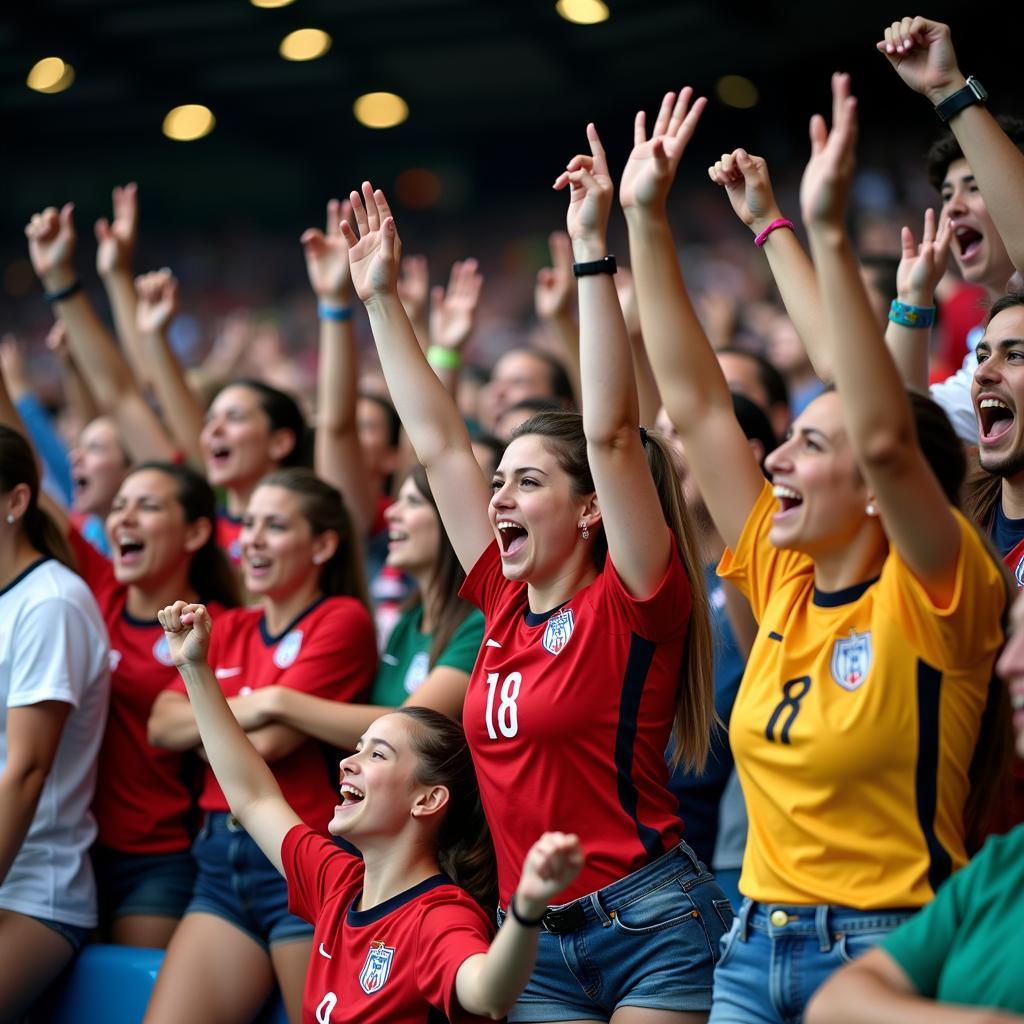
[(350, 795), (129, 550), (968, 243), (397, 536), (219, 455), (787, 498), (995, 418), (257, 564), (511, 535)]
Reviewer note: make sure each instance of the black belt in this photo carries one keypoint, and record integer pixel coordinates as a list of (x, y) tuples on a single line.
[(562, 920)]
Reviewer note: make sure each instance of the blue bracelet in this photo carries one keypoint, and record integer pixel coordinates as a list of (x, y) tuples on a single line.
[(911, 316), (328, 311)]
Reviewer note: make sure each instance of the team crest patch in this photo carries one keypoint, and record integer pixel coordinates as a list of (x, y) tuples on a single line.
[(851, 660), (558, 631), (1019, 573), (288, 649), (377, 968), (162, 651)]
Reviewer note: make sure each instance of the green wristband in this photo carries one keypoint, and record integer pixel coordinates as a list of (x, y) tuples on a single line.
[(442, 358)]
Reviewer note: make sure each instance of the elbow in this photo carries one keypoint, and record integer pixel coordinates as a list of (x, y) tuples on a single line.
[(610, 434), (888, 450)]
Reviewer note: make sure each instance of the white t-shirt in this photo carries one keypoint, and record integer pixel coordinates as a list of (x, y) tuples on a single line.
[(954, 393), (53, 646)]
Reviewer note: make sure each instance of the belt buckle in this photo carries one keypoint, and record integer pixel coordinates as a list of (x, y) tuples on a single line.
[(233, 824), (564, 919)]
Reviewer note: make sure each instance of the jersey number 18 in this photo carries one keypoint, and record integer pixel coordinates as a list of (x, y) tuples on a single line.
[(508, 712)]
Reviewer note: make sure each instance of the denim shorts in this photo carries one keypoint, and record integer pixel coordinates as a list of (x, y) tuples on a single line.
[(75, 935), (648, 940), (776, 956), (235, 881), (157, 884)]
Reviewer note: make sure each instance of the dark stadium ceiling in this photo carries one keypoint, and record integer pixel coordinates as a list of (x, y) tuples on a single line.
[(499, 92)]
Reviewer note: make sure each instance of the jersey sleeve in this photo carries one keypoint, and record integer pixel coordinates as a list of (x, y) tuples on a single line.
[(339, 659), (969, 628), (316, 870), (464, 645), (756, 567), (485, 584), (449, 934), (92, 566)]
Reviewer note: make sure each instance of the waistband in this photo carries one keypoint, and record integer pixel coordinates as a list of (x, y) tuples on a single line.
[(823, 921), (222, 821), (601, 906)]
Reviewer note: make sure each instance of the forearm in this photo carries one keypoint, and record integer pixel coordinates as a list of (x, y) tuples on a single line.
[(566, 335), (648, 398), (329, 721), (76, 392), (120, 289), (909, 348), (181, 410), (19, 796), (172, 725)]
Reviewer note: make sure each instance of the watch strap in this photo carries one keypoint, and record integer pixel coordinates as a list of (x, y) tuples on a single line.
[(973, 92), (602, 266)]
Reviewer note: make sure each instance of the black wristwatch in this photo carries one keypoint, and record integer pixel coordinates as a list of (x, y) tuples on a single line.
[(973, 92), (602, 266)]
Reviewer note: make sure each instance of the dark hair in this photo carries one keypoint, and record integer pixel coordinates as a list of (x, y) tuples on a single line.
[(324, 508), (768, 374), (558, 378), (754, 423), (882, 273), (394, 423), (493, 444), (940, 444), (535, 404), (464, 849), (945, 149), (447, 610), (284, 414), (562, 433), (18, 466), (210, 573)]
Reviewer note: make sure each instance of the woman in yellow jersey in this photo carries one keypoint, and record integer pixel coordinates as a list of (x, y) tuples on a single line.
[(878, 605)]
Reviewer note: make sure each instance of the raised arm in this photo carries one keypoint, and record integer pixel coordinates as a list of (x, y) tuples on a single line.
[(251, 790), (876, 411), (631, 515), (749, 188), (414, 291), (646, 386), (51, 245), (689, 378), (921, 52), (554, 299), (452, 319), (427, 411)]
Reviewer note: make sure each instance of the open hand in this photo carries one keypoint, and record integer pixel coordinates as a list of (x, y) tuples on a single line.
[(453, 310), (746, 183), (552, 863), (590, 199), (326, 255), (375, 254), (555, 289), (156, 301), (922, 266), (51, 245), (922, 53), (829, 172), (652, 165), (115, 240), (187, 628)]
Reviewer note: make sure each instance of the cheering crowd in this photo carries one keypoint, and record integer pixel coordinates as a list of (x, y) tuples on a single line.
[(659, 679)]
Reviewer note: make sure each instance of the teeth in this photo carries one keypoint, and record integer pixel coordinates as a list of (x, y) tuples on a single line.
[(786, 492), (347, 790), (397, 535), (992, 403), (507, 524)]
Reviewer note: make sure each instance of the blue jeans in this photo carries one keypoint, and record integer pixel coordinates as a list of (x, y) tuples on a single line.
[(157, 884), (776, 956), (648, 940)]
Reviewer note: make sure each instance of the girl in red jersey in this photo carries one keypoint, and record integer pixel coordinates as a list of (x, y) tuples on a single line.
[(596, 641), (311, 631), (397, 940)]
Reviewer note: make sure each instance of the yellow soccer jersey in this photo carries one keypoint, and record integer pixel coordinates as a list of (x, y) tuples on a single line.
[(856, 721)]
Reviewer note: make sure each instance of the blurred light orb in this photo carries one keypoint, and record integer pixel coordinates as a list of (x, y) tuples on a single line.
[(418, 188), (189, 122), (304, 44), (380, 110), (583, 12), (267, 4), (737, 91), (50, 75)]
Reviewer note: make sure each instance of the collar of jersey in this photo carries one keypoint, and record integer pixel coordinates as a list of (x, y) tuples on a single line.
[(21, 575), (374, 914), (836, 598), (270, 640), (539, 618)]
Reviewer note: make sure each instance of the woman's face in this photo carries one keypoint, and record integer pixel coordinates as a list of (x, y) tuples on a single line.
[(414, 531), (1011, 667), (534, 513), (149, 537), (98, 465), (280, 553), (239, 446), (821, 495)]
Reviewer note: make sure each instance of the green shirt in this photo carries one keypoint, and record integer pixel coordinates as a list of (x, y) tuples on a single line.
[(966, 945), (406, 661)]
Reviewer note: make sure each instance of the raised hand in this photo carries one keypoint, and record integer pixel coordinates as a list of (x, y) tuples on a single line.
[(51, 245), (590, 199), (12, 365), (748, 186), (374, 254), (326, 255), (414, 288), (551, 864), (652, 164), (115, 240), (187, 628), (922, 53), (922, 266), (829, 172), (555, 289), (157, 301), (453, 310)]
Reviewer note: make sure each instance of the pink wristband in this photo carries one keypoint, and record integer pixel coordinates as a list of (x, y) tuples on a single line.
[(780, 222)]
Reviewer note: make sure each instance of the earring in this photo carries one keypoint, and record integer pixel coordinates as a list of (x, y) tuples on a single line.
[(317, 559), (871, 510), (584, 532), (10, 519)]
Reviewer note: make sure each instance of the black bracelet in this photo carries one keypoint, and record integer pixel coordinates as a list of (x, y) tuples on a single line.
[(604, 266), (526, 922), (64, 293)]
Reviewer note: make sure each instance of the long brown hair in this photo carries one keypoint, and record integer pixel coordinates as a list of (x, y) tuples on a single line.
[(563, 434), (464, 849)]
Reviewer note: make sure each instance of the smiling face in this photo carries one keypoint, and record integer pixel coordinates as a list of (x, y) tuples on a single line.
[(149, 538), (239, 446), (534, 512), (1011, 667), (821, 496), (977, 246), (98, 465), (518, 375), (414, 531), (998, 394)]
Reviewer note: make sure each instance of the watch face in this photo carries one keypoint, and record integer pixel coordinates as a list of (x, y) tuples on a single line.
[(977, 88)]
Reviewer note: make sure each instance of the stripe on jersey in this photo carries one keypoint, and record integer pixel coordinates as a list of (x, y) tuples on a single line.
[(929, 692)]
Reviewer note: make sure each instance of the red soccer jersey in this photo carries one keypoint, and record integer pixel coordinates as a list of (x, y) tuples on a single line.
[(329, 651), (142, 799), (395, 963), (226, 534), (568, 715)]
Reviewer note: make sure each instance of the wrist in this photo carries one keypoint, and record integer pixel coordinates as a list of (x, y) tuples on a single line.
[(586, 250), (758, 224), (192, 671), (58, 279), (942, 92), (528, 912)]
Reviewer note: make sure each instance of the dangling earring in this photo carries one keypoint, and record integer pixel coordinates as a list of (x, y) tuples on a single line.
[(584, 532)]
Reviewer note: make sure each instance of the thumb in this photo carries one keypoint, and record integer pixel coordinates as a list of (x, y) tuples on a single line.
[(388, 239), (67, 218), (436, 298), (102, 229)]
